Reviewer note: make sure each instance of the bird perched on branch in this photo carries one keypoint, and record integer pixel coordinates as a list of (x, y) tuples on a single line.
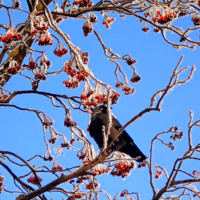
[(121, 142)]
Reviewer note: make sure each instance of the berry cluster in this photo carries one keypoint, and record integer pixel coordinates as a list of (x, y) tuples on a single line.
[(87, 28), (146, 14), (119, 84), (44, 65), (80, 179), (82, 74), (72, 70), (93, 18), (145, 29), (56, 167), (47, 122), (164, 18), (122, 169), (176, 135), (70, 84), (32, 65), (92, 186), (182, 39), (35, 85), (128, 90), (45, 40), (171, 146), (136, 78), (78, 196), (130, 61), (52, 140), (60, 19), (124, 194), (141, 165), (13, 70), (158, 174), (101, 171), (71, 181), (45, 61), (196, 21), (34, 32), (10, 36), (3, 96), (82, 3), (108, 21), (16, 4), (196, 174), (69, 70), (13, 67), (74, 83), (40, 76), (85, 57), (156, 30), (39, 27), (92, 99), (82, 156), (40, 30), (84, 97), (65, 144), (69, 122), (33, 180), (72, 141), (50, 158), (60, 52)]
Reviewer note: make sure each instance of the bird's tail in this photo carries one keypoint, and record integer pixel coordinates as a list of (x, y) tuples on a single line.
[(132, 150)]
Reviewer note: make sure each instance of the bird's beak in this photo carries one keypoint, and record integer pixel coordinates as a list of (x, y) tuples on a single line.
[(92, 109)]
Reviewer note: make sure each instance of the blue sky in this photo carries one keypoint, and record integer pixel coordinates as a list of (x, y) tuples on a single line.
[(21, 131)]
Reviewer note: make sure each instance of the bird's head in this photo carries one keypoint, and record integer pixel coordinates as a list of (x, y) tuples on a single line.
[(99, 109)]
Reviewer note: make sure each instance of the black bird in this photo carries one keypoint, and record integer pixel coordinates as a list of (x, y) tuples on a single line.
[(123, 143)]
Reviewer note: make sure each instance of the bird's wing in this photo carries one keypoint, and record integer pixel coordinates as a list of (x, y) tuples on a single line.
[(125, 135), (130, 148)]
